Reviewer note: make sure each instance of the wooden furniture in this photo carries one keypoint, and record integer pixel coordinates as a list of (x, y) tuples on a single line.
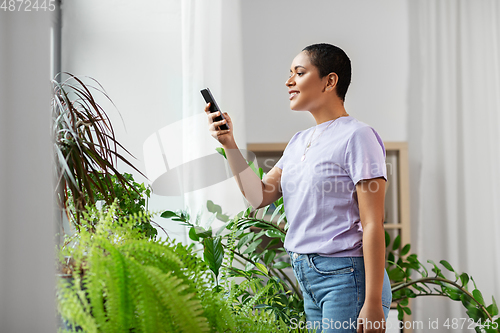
[(397, 221)]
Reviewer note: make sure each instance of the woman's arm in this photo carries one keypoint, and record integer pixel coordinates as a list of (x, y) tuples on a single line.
[(258, 193), (371, 195)]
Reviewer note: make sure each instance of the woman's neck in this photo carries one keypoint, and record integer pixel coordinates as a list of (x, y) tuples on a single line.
[(332, 112)]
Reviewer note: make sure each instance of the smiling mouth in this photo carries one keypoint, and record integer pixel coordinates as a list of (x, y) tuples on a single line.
[(293, 94)]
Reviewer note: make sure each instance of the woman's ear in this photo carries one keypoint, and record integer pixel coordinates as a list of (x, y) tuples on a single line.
[(331, 81)]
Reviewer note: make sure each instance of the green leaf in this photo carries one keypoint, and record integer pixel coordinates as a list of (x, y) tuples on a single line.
[(276, 212), (281, 218), (168, 214), (275, 234), (273, 241), (261, 173), (387, 239), (436, 269), (453, 293), (252, 166), (447, 265), (391, 259), (397, 242), (193, 235), (493, 308), (252, 247), (466, 301), (245, 239), (213, 208), (405, 250), (221, 229), (221, 151), (464, 278), (407, 310), (222, 217), (474, 313), (249, 266), (400, 312), (478, 296), (213, 254), (262, 268), (281, 265), (396, 274), (269, 256)]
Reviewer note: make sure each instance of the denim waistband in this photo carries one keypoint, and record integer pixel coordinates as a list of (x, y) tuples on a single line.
[(298, 256)]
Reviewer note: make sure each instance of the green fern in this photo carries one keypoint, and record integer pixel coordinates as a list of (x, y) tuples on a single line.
[(122, 282)]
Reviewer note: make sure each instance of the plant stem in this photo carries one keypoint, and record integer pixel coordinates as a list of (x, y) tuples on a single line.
[(436, 280), (294, 287), (246, 219)]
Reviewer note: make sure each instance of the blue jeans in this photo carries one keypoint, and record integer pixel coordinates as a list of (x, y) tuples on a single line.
[(334, 290)]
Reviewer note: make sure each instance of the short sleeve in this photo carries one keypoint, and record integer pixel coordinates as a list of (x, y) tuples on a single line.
[(365, 155)]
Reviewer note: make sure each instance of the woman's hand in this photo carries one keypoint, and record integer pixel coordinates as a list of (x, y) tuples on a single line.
[(371, 319), (225, 137)]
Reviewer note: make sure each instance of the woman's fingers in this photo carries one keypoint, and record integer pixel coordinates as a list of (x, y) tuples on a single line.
[(223, 136), (207, 108)]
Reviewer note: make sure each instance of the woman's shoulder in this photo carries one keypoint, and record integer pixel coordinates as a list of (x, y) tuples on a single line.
[(356, 128)]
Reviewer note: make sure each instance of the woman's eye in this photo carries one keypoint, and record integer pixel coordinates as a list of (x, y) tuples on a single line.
[(300, 74)]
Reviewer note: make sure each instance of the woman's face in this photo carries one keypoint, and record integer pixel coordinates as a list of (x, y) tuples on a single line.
[(305, 87)]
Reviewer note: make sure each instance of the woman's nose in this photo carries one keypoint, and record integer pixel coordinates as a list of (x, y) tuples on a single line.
[(289, 82)]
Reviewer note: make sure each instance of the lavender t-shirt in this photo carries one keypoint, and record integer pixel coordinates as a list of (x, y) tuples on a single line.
[(319, 193)]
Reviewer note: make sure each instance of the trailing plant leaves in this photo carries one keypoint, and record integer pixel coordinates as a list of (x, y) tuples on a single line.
[(193, 235), (244, 240), (452, 293), (478, 296), (391, 258), (269, 256), (447, 265), (475, 314), (168, 214), (493, 308), (405, 250), (273, 241), (396, 274), (464, 278), (275, 234), (262, 268), (280, 219), (436, 269), (276, 212), (396, 243), (387, 239), (252, 246), (281, 265)]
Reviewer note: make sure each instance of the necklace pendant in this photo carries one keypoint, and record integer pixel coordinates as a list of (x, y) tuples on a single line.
[(303, 158)]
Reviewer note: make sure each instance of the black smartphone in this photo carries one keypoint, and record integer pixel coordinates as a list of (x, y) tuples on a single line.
[(207, 95)]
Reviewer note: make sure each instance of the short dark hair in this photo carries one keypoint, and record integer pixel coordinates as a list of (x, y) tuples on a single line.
[(331, 59)]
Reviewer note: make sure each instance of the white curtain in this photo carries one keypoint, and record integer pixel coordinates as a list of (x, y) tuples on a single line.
[(181, 158), (454, 136)]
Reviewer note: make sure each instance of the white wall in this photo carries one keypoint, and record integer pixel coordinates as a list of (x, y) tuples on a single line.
[(374, 34)]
